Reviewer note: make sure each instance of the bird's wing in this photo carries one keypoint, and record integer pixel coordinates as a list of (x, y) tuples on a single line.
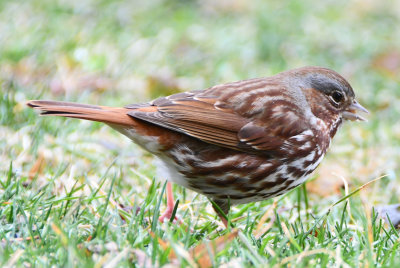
[(204, 116), (196, 117)]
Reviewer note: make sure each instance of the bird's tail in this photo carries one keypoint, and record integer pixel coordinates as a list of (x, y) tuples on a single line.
[(108, 115)]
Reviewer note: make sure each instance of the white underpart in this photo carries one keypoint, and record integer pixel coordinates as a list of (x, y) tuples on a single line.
[(166, 167), (150, 143), (166, 170)]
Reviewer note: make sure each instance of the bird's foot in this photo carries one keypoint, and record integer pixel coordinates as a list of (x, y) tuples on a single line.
[(166, 216), (170, 206)]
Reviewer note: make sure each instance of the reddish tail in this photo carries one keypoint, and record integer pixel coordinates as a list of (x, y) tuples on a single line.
[(103, 114)]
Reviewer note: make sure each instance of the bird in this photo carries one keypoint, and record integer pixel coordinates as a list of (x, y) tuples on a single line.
[(237, 142)]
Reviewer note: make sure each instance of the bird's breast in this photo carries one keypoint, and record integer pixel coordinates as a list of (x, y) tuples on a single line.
[(241, 177)]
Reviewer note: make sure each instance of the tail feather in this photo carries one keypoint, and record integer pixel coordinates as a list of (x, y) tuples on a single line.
[(103, 114)]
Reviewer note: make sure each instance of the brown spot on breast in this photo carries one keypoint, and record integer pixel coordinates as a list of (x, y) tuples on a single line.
[(295, 172), (281, 180), (288, 182), (267, 185)]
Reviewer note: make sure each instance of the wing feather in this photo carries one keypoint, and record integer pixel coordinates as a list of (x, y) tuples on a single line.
[(197, 119), (199, 115)]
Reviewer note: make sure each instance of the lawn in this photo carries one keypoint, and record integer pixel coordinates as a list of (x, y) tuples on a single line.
[(77, 193)]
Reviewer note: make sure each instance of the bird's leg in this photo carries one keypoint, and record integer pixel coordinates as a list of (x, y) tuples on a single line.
[(224, 221), (170, 204), (223, 206)]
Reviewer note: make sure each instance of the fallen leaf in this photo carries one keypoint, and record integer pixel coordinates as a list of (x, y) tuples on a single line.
[(21, 239), (329, 180), (205, 252), (202, 253), (37, 168)]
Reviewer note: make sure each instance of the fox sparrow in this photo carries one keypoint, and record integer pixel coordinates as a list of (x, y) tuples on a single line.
[(238, 142)]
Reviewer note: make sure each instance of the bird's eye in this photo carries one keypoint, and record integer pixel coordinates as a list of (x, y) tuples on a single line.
[(337, 97)]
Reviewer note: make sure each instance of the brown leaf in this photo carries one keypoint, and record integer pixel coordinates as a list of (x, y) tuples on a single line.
[(37, 168), (329, 180), (21, 239), (205, 252)]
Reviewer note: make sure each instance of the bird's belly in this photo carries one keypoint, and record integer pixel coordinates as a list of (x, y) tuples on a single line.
[(240, 177), (221, 173)]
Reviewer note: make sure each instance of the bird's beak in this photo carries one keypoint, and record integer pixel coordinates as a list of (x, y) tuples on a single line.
[(351, 112)]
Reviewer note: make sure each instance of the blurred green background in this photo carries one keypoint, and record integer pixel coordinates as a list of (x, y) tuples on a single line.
[(120, 52)]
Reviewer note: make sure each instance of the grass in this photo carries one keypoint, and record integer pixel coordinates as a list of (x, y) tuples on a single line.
[(78, 193)]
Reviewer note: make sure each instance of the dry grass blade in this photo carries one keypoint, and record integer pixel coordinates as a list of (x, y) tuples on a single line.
[(203, 253), (355, 191), (304, 254), (267, 214), (14, 258)]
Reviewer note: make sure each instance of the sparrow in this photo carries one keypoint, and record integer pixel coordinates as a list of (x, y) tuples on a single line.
[(238, 142)]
